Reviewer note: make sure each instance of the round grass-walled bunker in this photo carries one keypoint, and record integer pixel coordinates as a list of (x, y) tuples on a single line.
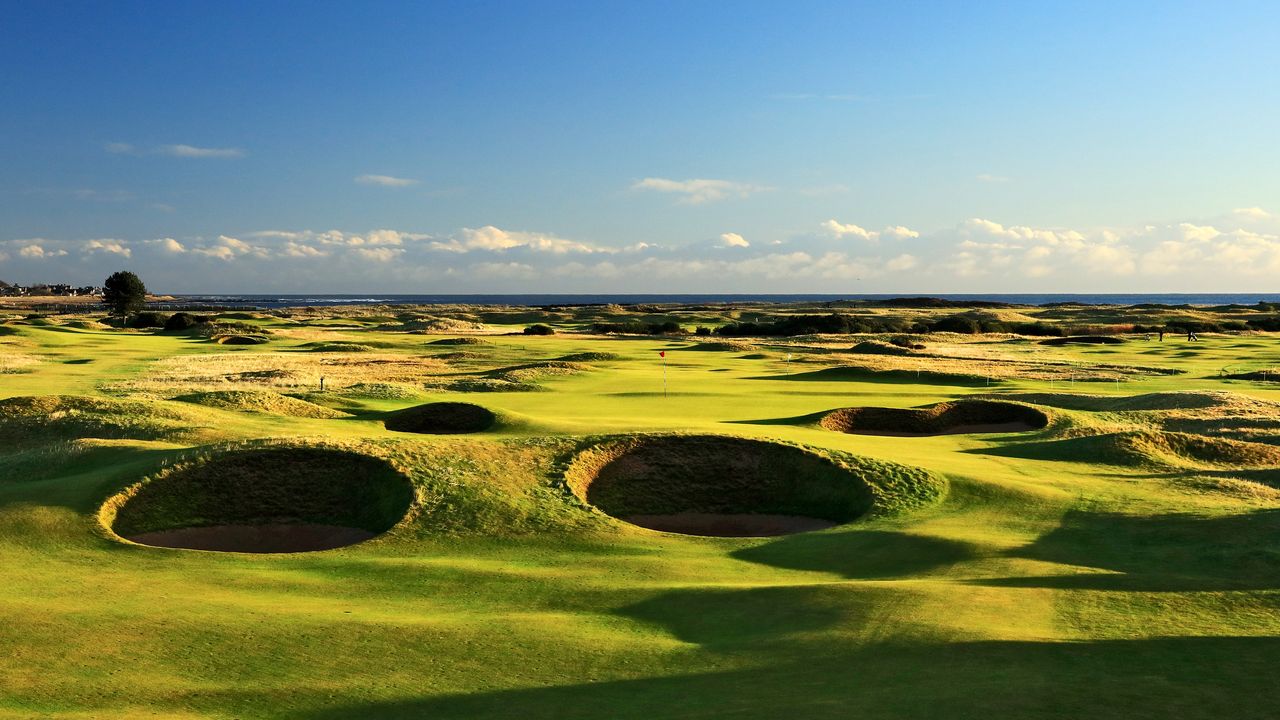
[(946, 418), (441, 418), (273, 500), (735, 487)]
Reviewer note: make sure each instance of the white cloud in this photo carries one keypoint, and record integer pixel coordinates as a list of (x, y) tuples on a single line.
[(840, 229), (1253, 213), (899, 232), (298, 250), (113, 247), (1198, 232), (496, 239), (385, 180), (389, 237), (699, 191), (894, 232), (285, 234), (229, 248), (38, 252), (191, 151), (1230, 252), (179, 150), (378, 254)]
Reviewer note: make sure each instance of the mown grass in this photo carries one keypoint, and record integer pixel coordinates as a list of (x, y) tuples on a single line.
[(1045, 584)]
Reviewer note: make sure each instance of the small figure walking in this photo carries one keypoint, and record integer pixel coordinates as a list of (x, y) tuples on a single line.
[(1191, 336), (1161, 336)]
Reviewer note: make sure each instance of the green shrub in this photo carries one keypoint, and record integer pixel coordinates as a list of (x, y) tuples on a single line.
[(148, 320), (180, 321)]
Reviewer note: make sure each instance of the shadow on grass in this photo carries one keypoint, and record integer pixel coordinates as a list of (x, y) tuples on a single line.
[(1172, 552), (809, 419), (906, 377), (860, 554), (1204, 677), (727, 618), (1090, 449)]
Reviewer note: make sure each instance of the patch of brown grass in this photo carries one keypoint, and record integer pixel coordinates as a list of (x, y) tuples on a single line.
[(275, 370)]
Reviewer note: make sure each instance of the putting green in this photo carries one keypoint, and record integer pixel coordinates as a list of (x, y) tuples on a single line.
[(1122, 561)]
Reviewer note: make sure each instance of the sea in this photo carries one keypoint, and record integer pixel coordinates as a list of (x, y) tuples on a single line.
[(267, 301)]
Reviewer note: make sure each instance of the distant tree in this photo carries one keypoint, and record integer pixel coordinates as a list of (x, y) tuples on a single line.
[(124, 293), (539, 329)]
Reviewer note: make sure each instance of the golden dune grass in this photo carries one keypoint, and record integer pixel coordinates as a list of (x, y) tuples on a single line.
[(289, 370), (993, 366), (15, 362)]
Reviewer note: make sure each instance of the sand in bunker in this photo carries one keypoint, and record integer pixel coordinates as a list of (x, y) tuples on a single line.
[(730, 525), (272, 538)]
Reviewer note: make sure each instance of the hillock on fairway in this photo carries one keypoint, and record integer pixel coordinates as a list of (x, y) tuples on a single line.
[(908, 510), (442, 418)]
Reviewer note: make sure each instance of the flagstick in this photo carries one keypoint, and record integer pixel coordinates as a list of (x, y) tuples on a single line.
[(664, 375)]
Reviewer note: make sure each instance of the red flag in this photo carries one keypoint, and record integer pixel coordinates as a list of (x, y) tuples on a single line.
[(662, 353)]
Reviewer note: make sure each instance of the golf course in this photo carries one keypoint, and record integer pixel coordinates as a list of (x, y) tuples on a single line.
[(640, 512)]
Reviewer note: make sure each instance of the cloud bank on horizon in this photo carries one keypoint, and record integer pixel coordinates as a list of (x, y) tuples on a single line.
[(975, 255)]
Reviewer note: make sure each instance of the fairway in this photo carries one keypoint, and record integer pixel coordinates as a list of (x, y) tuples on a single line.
[(961, 526)]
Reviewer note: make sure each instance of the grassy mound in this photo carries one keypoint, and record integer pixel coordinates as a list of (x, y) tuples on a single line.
[(582, 357), (442, 418), (82, 325), (1268, 375), (336, 347), (721, 346), (461, 341), (260, 401), (1217, 400), (1142, 448), (853, 373), (672, 475), (878, 347), (36, 420), (960, 416), (381, 391), (283, 486), (533, 372)]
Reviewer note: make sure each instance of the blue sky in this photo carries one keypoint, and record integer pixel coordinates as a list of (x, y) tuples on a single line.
[(642, 147)]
